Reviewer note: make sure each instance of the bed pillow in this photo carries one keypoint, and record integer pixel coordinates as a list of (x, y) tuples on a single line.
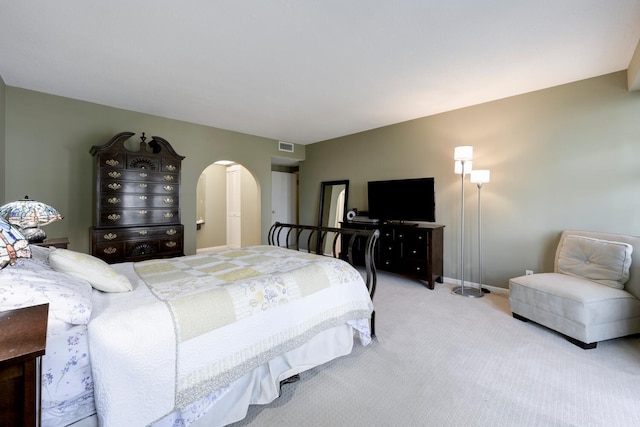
[(97, 272), (33, 283), (39, 259), (600, 261)]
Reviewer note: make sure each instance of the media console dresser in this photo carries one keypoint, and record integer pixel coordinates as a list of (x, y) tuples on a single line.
[(409, 249)]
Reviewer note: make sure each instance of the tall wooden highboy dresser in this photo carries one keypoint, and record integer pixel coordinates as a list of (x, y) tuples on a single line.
[(137, 200)]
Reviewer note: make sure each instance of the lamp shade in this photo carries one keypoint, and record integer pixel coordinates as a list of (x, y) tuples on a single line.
[(480, 176), (464, 152), (13, 244), (468, 167), (29, 213)]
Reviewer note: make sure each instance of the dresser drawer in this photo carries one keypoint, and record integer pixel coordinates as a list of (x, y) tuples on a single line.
[(169, 165), (151, 248), (418, 238), (111, 160), (387, 263), (171, 245), (418, 268), (138, 160), (111, 201), (137, 233), (137, 187), (143, 216), (387, 234), (389, 249), (138, 175), (137, 243), (109, 251), (413, 250), (142, 248)]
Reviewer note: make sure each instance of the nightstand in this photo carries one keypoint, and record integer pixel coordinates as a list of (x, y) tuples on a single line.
[(59, 242), (23, 336)]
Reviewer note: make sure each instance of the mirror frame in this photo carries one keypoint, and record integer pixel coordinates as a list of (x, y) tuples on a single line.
[(325, 186)]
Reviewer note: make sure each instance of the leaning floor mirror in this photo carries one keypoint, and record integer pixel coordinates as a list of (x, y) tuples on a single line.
[(334, 196)]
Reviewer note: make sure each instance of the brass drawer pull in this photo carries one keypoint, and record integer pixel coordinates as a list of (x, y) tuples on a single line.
[(168, 215), (113, 200), (142, 232), (168, 188), (171, 168), (142, 212), (114, 186), (110, 236), (114, 174), (168, 201), (114, 217), (143, 175), (171, 231), (170, 244), (168, 177), (142, 185), (142, 197), (112, 162), (110, 250)]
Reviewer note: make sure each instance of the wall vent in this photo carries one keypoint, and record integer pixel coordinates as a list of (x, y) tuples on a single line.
[(285, 146)]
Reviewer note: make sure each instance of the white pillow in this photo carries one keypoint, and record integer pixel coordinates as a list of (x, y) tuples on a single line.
[(601, 261), (97, 272)]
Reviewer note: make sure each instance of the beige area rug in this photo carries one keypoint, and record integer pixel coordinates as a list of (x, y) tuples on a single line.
[(446, 360)]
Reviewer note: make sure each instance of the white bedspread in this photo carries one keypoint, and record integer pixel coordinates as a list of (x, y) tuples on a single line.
[(143, 371)]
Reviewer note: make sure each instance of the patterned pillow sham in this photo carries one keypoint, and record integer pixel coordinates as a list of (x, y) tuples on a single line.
[(34, 282)]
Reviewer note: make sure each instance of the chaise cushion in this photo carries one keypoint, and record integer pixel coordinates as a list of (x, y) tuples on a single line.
[(600, 261), (574, 299)]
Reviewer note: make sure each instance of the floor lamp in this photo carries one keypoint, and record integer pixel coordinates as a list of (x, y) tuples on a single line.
[(479, 177), (463, 157)]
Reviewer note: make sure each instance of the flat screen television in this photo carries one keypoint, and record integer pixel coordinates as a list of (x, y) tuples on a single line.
[(403, 200)]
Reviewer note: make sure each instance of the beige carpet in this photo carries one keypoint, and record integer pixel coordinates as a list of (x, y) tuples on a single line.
[(446, 360)]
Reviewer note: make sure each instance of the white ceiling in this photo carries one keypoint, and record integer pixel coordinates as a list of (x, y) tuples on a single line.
[(308, 70)]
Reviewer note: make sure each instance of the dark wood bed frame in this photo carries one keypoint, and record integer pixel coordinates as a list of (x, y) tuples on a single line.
[(310, 238)]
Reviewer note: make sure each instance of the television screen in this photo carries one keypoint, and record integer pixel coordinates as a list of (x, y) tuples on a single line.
[(403, 200)]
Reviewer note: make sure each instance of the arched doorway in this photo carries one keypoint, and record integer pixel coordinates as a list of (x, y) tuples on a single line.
[(228, 208)]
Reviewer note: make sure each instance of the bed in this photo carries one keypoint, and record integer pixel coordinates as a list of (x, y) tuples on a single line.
[(196, 339)]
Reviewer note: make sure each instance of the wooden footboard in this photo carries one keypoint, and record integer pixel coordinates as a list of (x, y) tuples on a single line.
[(337, 242)]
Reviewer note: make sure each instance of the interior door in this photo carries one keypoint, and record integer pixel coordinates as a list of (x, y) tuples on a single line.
[(284, 198), (234, 204)]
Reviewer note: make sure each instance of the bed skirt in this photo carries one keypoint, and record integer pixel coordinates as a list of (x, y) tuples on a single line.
[(260, 386)]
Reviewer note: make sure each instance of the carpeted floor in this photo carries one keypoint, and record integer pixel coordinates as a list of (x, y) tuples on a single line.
[(445, 360)]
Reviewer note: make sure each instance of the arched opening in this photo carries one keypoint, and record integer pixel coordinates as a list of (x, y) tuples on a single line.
[(228, 208)]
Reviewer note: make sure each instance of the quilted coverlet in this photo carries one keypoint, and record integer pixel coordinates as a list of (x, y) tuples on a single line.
[(216, 317)]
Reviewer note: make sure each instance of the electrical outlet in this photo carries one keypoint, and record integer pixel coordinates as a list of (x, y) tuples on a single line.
[(528, 272)]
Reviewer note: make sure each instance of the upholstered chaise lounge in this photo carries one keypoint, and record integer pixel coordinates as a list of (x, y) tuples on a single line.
[(593, 293)]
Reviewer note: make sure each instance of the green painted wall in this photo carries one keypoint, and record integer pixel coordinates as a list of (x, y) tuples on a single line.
[(560, 158), (47, 157)]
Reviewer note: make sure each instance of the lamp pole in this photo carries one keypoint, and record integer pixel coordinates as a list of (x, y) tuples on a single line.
[(463, 156), (480, 177)]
